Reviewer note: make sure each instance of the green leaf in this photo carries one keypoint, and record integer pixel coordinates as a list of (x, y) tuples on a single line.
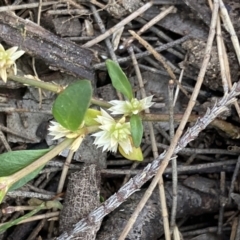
[(119, 80), (25, 179), (90, 116), (135, 155), (136, 129), (71, 105), (12, 162)]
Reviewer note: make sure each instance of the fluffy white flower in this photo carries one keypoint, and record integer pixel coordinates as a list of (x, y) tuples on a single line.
[(113, 133), (130, 107), (58, 131), (7, 60)]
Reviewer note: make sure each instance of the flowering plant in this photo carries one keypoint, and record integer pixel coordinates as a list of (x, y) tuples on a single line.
[(74, 119), (7, 60), (110, 134)]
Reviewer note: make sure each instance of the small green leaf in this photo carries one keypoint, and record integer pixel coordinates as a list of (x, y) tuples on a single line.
[(71, 105), (12, 162), (119, 80), (90, 116), (135, 155), (136, 129)]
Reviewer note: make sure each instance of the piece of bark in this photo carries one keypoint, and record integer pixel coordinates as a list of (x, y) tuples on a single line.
[(58, 53), (67, 27), (82, 196)]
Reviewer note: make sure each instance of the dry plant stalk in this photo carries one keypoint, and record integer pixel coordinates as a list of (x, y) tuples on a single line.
[(160, 58), (151, 169), (229, 27), (223, 58), (180, 129), (119, 25), (154, 148), (149, 24)]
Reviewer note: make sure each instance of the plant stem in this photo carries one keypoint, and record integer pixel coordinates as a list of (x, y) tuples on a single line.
[(100, 103), (53, 88), (42, 160), (39, 84)]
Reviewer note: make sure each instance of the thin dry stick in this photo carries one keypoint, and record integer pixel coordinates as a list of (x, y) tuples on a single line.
[(180, 81), (103, 30), (149, 24), (183, 122), (107, 40), (234, 177), (154, 148), (229, 27), (222, 202), (35, 232), (221, 58), (37, 217), (119, 25), (159, 33), (61, 184), (147, 53), (5, 142), (174, 160), (238, 230), (24, 6), (65, 171), (234, 228), (150, 170), (160, 58)]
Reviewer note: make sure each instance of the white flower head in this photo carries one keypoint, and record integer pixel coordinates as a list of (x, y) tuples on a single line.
[(113, 133), (130, 107), (7, 60), (58, 131)]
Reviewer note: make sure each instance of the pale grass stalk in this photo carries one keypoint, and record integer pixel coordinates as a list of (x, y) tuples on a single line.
[(224, 63), (176, 234), (122, 23), (234, 229), (37, 217), (61, 184), (160, 58), (181, 127), (225, 82), (177, 89), (152, 22), (155, 152), (235, 233), (65, 171), (229, 27), (25, 6)]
